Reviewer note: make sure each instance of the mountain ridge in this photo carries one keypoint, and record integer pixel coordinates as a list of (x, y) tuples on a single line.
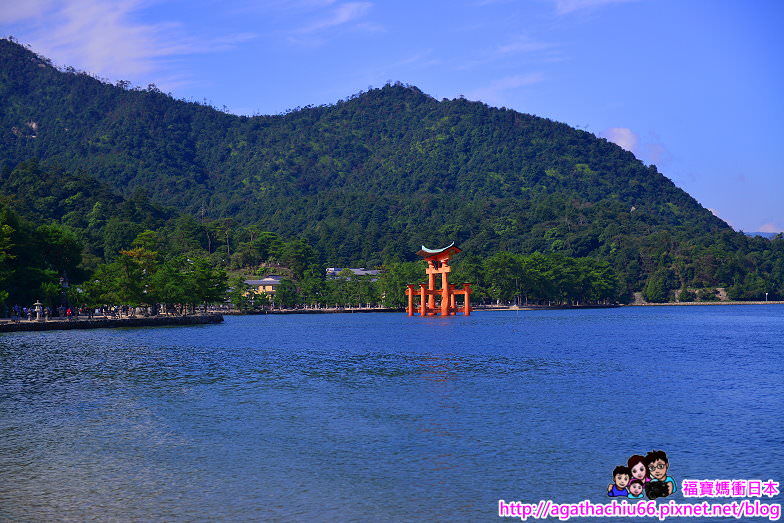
[(142, 107), (370, 177)]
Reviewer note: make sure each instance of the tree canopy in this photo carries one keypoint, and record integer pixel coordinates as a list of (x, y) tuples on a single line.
[(362, 182)]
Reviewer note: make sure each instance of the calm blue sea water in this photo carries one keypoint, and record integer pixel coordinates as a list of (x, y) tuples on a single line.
[(381, 417)]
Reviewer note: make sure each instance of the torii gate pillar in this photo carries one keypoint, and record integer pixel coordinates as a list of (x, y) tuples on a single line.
[(438, 264)]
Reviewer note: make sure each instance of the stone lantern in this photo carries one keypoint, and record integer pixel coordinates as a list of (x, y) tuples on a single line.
[(39, 311)]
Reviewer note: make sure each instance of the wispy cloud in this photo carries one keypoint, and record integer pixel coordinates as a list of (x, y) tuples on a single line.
[(329, 15), (514, 50), (480, 3), (495, 92), (564, 7), (656, 153), (771, 227), (715, 213), (651, 152), (420, 59), (17, 11), (337, 15), (622, 137), (523, 44), (289, 5), (106, 37)]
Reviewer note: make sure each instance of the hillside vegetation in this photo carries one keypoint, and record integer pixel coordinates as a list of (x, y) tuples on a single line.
[(362, 182)]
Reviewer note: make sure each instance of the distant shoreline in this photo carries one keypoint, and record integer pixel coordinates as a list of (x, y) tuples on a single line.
[(213, 318), (692, 303), (667, 304), (361, 310), (485, 308)]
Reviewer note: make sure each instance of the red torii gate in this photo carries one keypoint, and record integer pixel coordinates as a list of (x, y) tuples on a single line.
[(438, 263)]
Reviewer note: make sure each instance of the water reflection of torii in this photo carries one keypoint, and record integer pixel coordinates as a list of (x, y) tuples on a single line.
[(438, 263)]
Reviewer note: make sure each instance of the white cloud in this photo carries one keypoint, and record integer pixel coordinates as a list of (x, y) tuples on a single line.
[(650, 152), (569, 6), (622, 137), (494, 93), (106, 37), (771, 227), (103, 39)]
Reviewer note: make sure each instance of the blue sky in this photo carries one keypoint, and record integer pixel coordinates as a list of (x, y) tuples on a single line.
[(692, 86)]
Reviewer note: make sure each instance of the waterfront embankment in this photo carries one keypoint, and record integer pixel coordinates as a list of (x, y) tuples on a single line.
[(314, 310), (107, 323)]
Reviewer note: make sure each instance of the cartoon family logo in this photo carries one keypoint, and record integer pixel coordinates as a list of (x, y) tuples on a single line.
[(646, 474)]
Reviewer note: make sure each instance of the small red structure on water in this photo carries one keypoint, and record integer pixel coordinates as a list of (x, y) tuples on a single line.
[(438, 263)]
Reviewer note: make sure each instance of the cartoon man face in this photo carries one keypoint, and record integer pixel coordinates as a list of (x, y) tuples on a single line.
[(635, 489), (658, 469), (621, 480)]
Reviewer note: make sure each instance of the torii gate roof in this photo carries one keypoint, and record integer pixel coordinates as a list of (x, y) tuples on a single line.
[(449, 249)]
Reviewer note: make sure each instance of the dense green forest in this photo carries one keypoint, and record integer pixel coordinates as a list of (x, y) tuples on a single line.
[(130, 251), (363, 182)]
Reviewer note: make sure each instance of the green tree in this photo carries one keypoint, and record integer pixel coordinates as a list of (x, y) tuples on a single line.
[(240, 294), (394, 278), (117, 236), (538, 287), (60, 248), (313, 287), (286, 294), (751, 288), (204, 283), (297, 256), (686, 295), (469, 269), (659, 285), (49, 293), (505, 277), (168, 284), (6, 257)]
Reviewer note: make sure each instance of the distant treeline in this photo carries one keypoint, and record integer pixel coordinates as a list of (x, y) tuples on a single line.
[(55, 224), (185, 262), (362, 182), (132, 251), (71, 225)]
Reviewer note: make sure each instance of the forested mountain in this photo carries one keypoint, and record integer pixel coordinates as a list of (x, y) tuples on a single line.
[(370, 178)]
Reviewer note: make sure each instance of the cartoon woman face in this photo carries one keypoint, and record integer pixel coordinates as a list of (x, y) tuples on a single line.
[(638, 471)]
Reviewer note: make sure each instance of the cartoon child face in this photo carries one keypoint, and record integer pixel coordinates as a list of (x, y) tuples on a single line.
[(635, 489), (658, 469), (621, 480), (638, 471)]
